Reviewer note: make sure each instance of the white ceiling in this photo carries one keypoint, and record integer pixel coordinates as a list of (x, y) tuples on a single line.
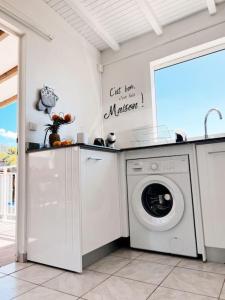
[(108, 22), (8, 53)]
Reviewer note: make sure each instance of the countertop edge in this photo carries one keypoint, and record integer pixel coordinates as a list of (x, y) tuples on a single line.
[(196, 142), (115, 150), (82, 146)]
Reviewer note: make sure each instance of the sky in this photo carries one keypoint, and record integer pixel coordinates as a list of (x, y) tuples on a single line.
[(8, 115), (186, 91), (8, 124)]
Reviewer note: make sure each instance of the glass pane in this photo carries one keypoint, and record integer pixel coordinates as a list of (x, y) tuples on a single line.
[(157, 200), (186, 91)]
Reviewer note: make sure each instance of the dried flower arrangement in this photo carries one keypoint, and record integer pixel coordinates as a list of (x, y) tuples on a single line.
[(57, 121)]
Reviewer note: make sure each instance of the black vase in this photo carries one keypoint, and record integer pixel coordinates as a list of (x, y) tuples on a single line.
[(54, 137)]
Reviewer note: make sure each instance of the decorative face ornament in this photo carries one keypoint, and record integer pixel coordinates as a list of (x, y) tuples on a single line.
[(47, 100), (110, 140)]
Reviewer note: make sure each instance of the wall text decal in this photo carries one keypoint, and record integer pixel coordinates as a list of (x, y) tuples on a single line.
[(123, 94)]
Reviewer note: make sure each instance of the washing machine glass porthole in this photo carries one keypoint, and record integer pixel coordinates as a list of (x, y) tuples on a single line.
[(157, 200)]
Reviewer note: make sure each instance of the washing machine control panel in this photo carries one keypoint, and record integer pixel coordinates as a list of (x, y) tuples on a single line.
[(158, 165)]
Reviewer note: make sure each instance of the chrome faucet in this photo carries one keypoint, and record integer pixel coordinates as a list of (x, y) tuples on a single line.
[(206, 118)]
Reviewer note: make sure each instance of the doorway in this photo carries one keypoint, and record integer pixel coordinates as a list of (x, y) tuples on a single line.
[(9, 59)]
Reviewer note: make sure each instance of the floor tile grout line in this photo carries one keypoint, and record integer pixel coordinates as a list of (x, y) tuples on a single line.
[(189, 268), (123, 277), (38, 284), (132, 258), (155, 262), (83, 295), (160, 284), (184, 290), (56, 290), (130, 262), (114, 275), (97, 272), (110, 275), (20, 279), (24, 292), (135, 259), (146, 283), (60, 291), (170, 288), (74, 273), (156, 287), (19, 270), (63, 272), (173, 268), (221, 288), (51, 289), (152, 284)]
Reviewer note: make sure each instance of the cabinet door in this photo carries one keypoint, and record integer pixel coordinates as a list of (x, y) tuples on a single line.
[(100, 199), (211, 165), (53, 236)]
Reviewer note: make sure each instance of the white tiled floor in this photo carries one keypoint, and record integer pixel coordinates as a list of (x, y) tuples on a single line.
[(7, 243), (124, 275)]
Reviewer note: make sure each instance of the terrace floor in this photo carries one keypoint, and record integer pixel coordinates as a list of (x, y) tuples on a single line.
[(7, 243)]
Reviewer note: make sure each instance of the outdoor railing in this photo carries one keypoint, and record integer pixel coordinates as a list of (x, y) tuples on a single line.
[(8, 177)]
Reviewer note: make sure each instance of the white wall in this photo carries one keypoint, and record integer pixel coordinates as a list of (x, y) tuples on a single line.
[(68, 64), (130, 65)]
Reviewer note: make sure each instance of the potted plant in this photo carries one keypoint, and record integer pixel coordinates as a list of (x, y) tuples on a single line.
[(57, 121)]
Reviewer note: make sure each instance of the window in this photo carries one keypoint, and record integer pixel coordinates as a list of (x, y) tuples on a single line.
[(186, 85)]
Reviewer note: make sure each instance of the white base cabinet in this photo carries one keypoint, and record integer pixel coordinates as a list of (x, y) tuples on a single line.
[(53, 226), (100, 199), (73, 205), (211, 166)]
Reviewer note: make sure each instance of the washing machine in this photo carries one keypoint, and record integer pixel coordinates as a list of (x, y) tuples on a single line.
[(161, 213)]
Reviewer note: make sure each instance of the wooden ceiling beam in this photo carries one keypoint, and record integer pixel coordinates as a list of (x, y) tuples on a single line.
[(3, 35), (9, 74), (93, 23), (8, 101), (150, 16), (211, 4)]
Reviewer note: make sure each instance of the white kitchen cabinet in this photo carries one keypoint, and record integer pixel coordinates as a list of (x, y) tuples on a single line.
[(211, 165), (73, 205), (53, 223), (100, 199)]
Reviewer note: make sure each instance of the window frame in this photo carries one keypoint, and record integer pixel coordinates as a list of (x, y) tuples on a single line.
[(179, 57)]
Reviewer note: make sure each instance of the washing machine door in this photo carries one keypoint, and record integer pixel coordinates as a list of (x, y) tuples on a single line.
[(158, 203)]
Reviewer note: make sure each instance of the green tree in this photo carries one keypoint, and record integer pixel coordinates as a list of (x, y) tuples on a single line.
[(9, 157)]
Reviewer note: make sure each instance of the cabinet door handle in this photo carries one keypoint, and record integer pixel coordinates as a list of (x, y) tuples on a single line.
[(216, 152), (94, 158)]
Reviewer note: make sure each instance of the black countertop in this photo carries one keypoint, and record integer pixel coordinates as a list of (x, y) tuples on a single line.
[(82, 146), (107, 149), (197, 142)]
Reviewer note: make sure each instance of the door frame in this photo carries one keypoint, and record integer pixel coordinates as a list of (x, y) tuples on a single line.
[(9, 27)]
